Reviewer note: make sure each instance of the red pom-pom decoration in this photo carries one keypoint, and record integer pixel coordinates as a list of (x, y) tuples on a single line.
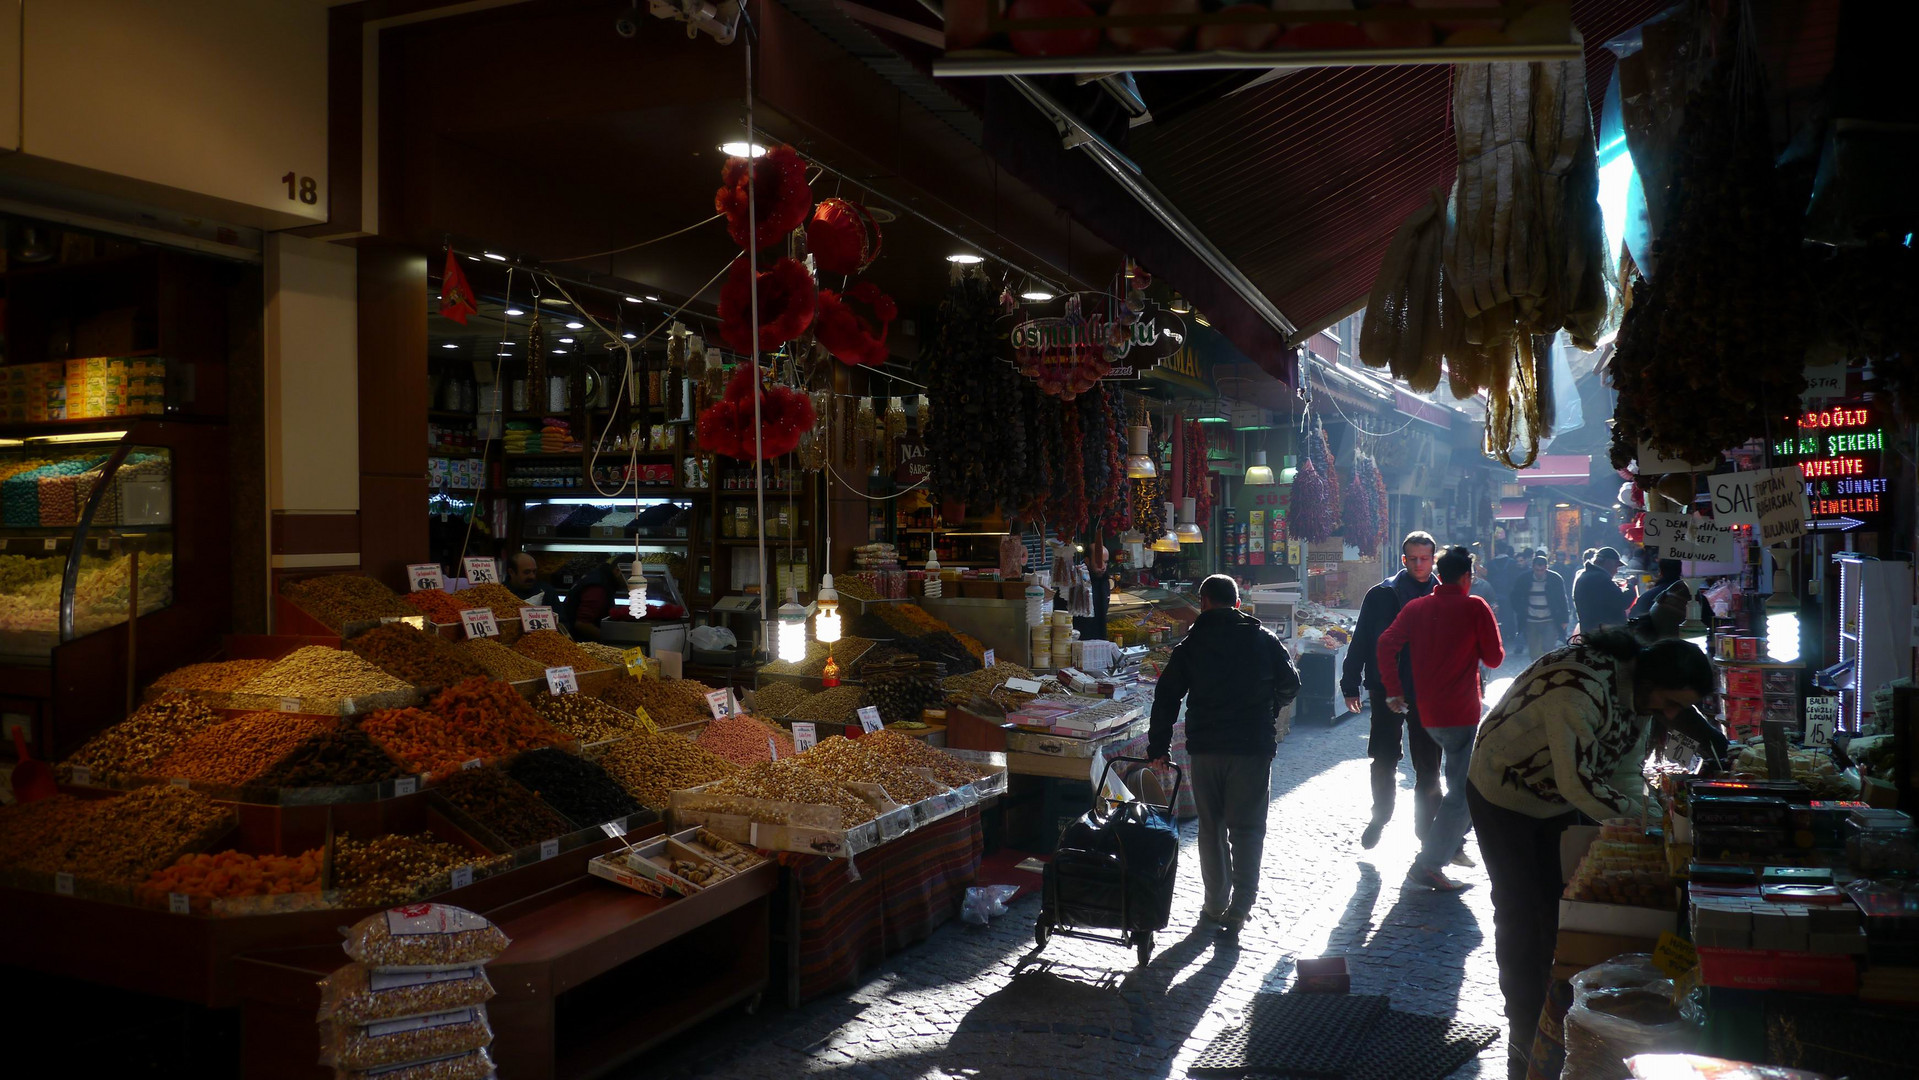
[(726, 426), (788, 300), (846, 333), (781, 197), (843, 237)]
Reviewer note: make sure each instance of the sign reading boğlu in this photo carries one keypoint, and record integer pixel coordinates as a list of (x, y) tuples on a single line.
[(1840, 453)]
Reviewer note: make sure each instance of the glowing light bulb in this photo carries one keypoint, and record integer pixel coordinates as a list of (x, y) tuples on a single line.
[(792, 643), (826, 625)]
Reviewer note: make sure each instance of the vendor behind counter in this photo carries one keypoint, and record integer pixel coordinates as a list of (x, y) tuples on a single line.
[(591, 599)]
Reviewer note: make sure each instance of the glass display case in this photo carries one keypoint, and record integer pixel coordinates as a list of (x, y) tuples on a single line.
[(86, 522)]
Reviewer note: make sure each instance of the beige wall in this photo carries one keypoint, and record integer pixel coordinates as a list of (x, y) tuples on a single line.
[(312, 327)]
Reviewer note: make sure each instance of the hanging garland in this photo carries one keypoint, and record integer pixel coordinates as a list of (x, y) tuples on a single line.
[(1119, 504), (1198, 481), (1314, 514), (974, 455), (1103, 466), (1362, 512)]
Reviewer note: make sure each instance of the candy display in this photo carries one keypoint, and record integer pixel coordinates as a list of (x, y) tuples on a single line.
[(338, 756), (340, 599), (473, 719), (502, 805), (576, 787), (396, 867), (550, 648), (361, 993), (156, 729), (235, 751), (30, 599), (742, 739), (835, 705), (222, 677), (652, 766), (324, 674), (1624, 866), (420, 657), (589, 720), (669, 702), (499, 661), (788, 781), (842, 759), (424, 935), (236, 873)]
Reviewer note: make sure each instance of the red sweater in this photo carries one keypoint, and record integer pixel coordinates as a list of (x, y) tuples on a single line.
[(1450, 634)]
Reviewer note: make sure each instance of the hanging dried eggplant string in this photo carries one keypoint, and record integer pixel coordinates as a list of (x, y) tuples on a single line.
[(535, 358)]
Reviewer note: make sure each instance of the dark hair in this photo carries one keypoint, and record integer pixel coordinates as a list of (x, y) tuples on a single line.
[(1418, 536), (1455, 564), (1670, 569), (1672, 664), (1220, 591), (1608, 554)]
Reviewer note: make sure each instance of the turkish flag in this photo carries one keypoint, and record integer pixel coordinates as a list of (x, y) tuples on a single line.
[(456, 296)]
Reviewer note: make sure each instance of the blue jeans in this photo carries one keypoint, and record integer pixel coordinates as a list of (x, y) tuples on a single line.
[(1449, 826)]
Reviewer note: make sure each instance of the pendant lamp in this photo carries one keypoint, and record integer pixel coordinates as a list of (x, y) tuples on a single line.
[(792, 629), (1188, 531), (1169, 540), (1139, 463), (1259, 474), (826, 626)]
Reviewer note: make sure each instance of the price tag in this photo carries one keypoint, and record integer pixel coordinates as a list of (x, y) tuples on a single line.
[(614, 828), (1026, 686), (549, 848), (180, 782), (773, 747), (82, 775), (561, 680), (870, 718), (805, 735), (105, 544), (720, 702), (424, 577), (405, 786), (462, 876), (481, 570), (989, 658), (480, 623), (178, 904), (537, 618), (471, 763), (1673, 956), (1822, 719), (63, 884), (49, 544), (289, 704)]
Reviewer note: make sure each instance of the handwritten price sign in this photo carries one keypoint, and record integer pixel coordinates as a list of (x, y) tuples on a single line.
[(424, 577), (481, 570)]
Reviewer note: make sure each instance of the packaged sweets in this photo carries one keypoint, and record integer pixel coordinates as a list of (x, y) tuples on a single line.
[(424, 936), (475, 1065), (360, 994), (408, 1039)]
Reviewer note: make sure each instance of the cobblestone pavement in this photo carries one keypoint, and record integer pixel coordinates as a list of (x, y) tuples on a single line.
[(975, 1001)]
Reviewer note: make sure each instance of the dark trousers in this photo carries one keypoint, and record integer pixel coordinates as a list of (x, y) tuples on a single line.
[(1384, 748), (1231, 792), (1521, 854)]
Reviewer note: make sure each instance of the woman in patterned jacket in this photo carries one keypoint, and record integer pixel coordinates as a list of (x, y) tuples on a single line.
[(1567, 740)]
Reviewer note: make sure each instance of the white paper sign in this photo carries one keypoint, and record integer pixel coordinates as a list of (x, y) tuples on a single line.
[(1704, 542), (1825, 381), (1779, 496), (537, 618), (549, 848), (989, 659), (480, 622), (805, 736), (462, 876), (424, 577), (561, 680), (49, 544), (1025, 686), (471, 763), (178, 904), (720, 703), (772, 748), (870, 718), (405, 786), (82, 775), (63, 884), (1665, 529), (1822, 719), (481, 570), (614, 828), (289, 704), (669, 663)]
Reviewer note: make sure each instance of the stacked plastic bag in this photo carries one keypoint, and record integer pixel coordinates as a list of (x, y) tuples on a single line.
[(518, 435), (412, 1005), (1621, 1008)]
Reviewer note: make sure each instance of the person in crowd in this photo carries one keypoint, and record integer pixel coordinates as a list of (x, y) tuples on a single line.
[(590, 599), (1449, 634), (1503, 572), (1235, 676), (1100, 575), (1538, 601), (1376, 613), (1566, 740), (523, 577), (1596, 599), (1668, 614), (1671, 573)]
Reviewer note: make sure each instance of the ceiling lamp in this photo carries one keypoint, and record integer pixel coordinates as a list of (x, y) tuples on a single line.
[(1290, 471), (576, 326), (792, 628), (512, 311), (1036, 293), (1188, 531), (826, 625), (1178, 305), (1214, 413), (1168, 540), (741, 149), (1139, 463), (966, 258), (494, 257), (1259, 474), (1202, 320), (449, 345), (1251, 418), (636, 596)]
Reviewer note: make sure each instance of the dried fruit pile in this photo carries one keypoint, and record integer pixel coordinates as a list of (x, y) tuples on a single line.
[(670, 702), (778, 698), (550, 648), (339, 599), (1363, 513), (472, 719), (840, 758), (835, 705), (499, 803), (224, 676), (420, 657), (789, 781), (236, 873), (580, 789), (501, 662), (123, 840), (910, 752), (134, 745), (391, 869), (341, 756), (1313, 515), (437, 606), (235, 751), (588, 720)]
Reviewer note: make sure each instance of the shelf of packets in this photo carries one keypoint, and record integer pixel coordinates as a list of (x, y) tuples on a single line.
[(95, 387)]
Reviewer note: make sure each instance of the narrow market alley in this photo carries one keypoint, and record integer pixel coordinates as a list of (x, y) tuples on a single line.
[(975, 1001)]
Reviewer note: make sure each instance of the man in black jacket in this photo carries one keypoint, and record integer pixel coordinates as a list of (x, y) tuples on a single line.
[(1235, 677), (1598, 602), (1539, 607), (1376, 613)]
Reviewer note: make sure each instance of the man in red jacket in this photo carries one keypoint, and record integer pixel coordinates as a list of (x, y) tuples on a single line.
[(1450, 633)]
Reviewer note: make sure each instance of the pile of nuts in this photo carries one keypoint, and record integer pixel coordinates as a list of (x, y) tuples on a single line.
[(395, 868), (606, 655), (670, 702), (550, 648), (26, 828), (222, 677), (497, 598), (316, 671), (786, 781), (844, 652), (906, 751), (339, 599), (420, 657), (654, 766), (834, 705), (237, 750), (589, 720), (499, 661), (134, 745), (842, 759), (499, 803), (984, 680), (743, 739), (123, 840), (777, 698)]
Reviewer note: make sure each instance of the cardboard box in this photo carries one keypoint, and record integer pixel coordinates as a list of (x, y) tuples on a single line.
[(1744, 682), (1618, 919), (1583, 948), (1758, 969)]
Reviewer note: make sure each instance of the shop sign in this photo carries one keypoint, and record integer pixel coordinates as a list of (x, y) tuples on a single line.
[(986, 37), (1663, 530), (1840, 454), (1773, 501), (1095, 336), (1700, 541), (1651, 462), (913, 466), (1824, 382), (1822, 719)]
